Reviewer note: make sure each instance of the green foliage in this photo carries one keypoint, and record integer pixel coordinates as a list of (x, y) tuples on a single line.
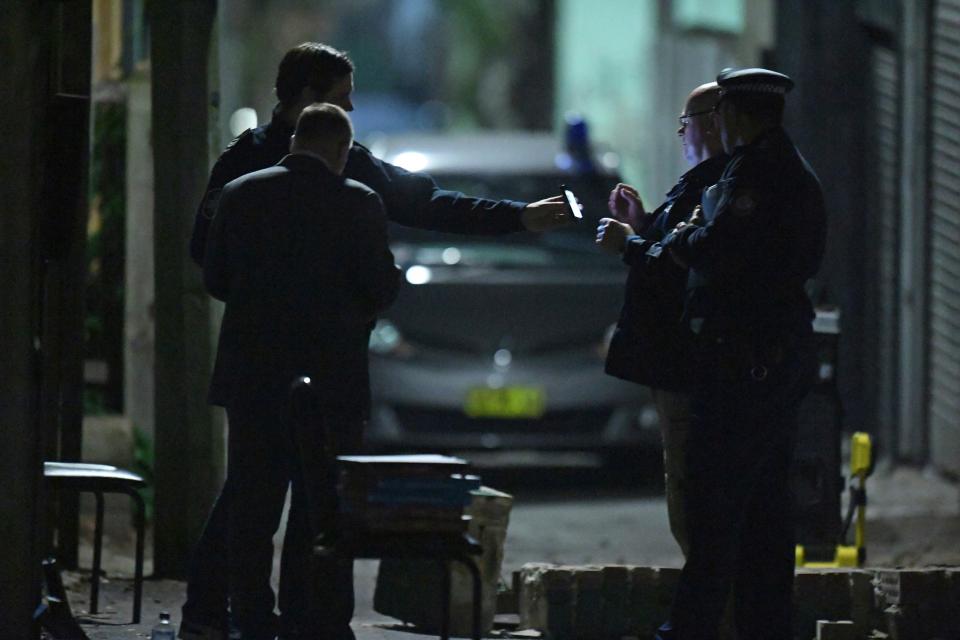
[(93, 402), (92, 326), (103, 326), (482, 31)]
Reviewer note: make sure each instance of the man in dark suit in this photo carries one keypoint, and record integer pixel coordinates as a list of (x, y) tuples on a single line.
[(651, 346), (300, 256)]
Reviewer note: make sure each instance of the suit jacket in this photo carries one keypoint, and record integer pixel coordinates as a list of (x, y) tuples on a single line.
[(300, 256), (651, 346)]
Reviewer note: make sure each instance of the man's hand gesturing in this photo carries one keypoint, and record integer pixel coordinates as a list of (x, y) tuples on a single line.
[(612, 235), (626, 206), (697, 218)]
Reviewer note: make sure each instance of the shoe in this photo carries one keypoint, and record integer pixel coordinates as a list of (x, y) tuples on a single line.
[(57, 621), (666, 632), (196, 631)]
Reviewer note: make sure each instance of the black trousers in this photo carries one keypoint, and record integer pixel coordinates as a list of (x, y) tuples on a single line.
[(231, 566), (739, 501)]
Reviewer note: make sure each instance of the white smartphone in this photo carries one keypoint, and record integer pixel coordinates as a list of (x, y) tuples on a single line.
[(572, 203)]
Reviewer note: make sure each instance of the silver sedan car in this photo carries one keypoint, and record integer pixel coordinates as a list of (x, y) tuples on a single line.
[(499, 343)]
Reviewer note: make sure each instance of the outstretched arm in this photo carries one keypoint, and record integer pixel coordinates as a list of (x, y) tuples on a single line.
[(415, 200)]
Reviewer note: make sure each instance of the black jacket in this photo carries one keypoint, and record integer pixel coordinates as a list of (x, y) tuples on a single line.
[(410, 199), (651, 345), (300, 257), (764, 238)]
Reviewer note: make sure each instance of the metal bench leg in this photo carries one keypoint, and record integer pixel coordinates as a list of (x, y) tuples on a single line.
[(97, 555), (445, 600), (138, 570), (477, 593)]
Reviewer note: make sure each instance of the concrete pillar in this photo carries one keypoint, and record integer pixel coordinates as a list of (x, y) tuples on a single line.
[(189, 442), (138, 351)]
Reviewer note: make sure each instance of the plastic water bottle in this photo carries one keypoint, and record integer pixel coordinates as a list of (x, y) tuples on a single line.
[(163, 629)]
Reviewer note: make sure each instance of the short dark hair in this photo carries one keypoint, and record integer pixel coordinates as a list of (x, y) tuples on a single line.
[(313, 65), (764, 108), (324, 123)]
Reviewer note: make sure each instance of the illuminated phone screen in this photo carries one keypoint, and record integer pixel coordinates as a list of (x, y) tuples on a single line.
[(572, 202)]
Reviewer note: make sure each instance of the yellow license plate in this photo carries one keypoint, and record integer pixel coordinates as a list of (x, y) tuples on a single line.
[(508, 402)]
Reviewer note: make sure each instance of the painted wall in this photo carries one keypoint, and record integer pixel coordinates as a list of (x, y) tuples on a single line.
[(605, 71), (628, 66)]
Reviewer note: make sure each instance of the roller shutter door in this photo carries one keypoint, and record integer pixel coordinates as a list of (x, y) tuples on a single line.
[(943, 408)]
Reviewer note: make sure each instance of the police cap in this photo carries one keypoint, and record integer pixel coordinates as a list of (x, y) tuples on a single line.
[(754, 80)]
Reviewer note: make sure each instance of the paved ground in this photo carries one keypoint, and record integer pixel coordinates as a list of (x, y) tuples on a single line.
[(581, 516)]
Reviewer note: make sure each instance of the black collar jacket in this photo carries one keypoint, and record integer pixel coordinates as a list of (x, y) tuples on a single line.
[(651, 346)]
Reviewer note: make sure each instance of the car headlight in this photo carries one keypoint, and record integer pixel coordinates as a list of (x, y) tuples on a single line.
[(386, 340)]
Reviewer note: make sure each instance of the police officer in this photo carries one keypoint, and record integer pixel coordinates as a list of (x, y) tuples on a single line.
[(310, 73), (650, 345), (763, 238)]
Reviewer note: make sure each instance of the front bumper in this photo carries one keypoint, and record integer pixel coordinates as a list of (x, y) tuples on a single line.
[(420, 405)]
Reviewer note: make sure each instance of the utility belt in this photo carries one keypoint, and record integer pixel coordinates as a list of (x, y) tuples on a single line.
[(739, 356)]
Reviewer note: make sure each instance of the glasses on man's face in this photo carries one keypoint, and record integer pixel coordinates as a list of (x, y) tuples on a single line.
[(684, 118)]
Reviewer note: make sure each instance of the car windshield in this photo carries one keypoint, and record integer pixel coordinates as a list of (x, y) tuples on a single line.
[(571, 246)]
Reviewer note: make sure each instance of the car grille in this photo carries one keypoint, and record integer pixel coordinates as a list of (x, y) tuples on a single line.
[(582, 422)]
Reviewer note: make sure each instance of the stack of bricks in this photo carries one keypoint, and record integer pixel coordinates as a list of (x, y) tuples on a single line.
[(570, 602), (833, 595), (837, 630), (611, 602), (919, 604)]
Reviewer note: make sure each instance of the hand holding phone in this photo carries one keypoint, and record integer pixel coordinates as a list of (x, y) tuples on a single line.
[(575, 208)]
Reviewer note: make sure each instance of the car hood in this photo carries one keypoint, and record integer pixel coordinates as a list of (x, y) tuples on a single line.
[(482, 309)]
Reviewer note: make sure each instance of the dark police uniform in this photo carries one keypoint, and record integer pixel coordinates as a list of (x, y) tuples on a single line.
[(411, 199), (764, 237)]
